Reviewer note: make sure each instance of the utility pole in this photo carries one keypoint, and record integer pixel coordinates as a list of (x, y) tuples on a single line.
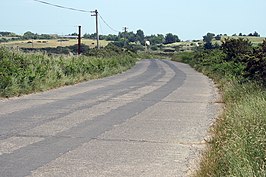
[(79, 41), (125, 32), (125, 29), (95, 14)]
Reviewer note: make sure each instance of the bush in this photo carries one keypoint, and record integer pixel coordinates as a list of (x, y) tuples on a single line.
[(3, 40), (256, 68), (235, 49), (212, 61), (109, 50), (22, 73), (59, 50), (135, 47), (154, 47)]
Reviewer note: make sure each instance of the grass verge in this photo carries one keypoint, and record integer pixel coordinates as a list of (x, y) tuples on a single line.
[(22, 73), (238, 144)]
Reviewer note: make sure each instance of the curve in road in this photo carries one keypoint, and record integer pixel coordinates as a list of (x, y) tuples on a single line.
[(148, 121)]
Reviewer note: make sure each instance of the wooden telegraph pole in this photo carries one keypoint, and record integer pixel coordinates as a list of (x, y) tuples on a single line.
[(79, 41), (97, 28), (125, 33)]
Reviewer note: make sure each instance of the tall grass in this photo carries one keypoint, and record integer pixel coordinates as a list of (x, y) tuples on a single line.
[(22, 73), (238, 147), (238, 144)]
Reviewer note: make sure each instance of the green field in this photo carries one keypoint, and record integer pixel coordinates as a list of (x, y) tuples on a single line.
[(190, 45), (51, 43), (254, 40)]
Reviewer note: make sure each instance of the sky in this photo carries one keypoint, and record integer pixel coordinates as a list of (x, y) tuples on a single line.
[(189, 19)]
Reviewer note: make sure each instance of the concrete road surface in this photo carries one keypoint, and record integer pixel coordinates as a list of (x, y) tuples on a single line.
[(149, 121)]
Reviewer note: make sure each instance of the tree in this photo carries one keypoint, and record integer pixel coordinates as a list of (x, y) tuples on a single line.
[(170, 38), (73, 34), (140, 36), (128, 36), (7, 34), (218, 37), (208, 40), (250, 34), (45, 36), (131, 36), (29, 35), (90, 36), (156, 39), (159, 39), (256, 34), (112, 37), (83, 48)]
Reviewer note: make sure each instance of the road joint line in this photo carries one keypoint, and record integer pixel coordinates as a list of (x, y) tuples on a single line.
[(152, 142)]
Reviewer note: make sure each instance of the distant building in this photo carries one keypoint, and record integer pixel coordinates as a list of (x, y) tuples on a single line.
[(147, 43), (69, 37)]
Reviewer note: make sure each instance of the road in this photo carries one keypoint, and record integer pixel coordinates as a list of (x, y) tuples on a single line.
[(149, 121)]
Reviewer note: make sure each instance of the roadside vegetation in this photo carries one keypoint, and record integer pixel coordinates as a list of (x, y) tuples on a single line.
[(36, 62), (238, 144), (24, 73)]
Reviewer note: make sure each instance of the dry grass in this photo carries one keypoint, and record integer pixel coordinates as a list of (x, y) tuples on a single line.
[(253, 40), (51, 43)]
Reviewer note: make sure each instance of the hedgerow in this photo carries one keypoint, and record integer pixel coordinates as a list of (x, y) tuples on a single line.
[(23, 73)]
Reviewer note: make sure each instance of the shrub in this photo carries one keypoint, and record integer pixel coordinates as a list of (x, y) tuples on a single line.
[(22, 73), (236, 48)]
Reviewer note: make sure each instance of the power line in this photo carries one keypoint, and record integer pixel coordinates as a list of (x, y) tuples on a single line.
[(74, 9), (62, 7), (108, 24), (101, 29)]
